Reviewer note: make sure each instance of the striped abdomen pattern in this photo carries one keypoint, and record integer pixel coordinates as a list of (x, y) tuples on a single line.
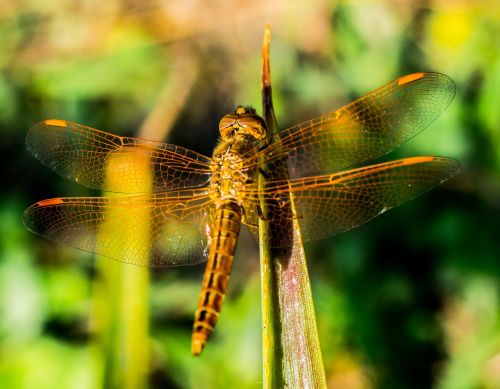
[(226, 228)]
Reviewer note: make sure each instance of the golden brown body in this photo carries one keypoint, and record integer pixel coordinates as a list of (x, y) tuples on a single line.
[(237, 131), (217, 273)]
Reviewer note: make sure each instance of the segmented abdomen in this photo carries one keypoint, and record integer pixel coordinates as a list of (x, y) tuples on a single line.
[(226, 229)]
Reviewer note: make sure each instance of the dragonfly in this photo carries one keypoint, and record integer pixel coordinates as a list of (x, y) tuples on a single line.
[(196, 204)]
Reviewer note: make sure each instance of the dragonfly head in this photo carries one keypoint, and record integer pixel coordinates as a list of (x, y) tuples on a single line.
[(244, 121)]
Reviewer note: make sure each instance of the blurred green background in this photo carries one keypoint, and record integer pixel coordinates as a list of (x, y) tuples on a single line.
[(410, 300)]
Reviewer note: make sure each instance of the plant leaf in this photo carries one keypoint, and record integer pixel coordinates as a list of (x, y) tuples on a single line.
[(291, 350)]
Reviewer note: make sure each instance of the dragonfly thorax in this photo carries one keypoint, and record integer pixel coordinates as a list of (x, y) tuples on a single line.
[(244, 121)]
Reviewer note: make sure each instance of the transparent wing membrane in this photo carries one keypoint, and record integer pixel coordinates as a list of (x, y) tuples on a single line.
[(164, 229), (330, 204), (80, 153), (362, 130), (168, 221)]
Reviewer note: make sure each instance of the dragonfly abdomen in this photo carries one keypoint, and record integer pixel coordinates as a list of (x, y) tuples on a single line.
[(226, 228)]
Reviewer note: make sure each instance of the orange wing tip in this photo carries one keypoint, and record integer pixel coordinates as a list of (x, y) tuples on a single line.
[(45, 203), (410, 78), (414, 160), (56, 123)]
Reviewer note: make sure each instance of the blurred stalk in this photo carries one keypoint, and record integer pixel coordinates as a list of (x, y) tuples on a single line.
[(121, 290), (121, 308), (291, 349), (179, 82)]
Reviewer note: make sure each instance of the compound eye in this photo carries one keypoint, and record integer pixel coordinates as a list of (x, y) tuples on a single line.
[(226, 126), (253, 125)]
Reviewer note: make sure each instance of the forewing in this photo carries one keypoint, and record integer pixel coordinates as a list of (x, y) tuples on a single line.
[(81, 154), (330, 204), (361, 131), (163, 229)]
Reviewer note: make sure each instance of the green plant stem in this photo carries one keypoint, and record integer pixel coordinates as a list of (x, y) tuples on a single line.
[(120, 298), (291, 349)]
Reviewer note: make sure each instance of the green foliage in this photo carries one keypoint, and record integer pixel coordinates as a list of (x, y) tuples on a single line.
[(408, 301)]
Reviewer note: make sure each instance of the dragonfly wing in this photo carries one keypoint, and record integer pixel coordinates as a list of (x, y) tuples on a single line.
[(163, 229), (82, 153), (330, 204), (362, 130)]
